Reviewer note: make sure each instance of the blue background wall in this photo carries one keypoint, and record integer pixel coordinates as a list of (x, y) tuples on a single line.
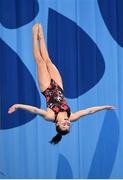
[(85, 42)]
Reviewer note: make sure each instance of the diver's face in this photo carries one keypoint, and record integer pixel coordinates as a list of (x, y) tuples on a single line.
[(64, 124)]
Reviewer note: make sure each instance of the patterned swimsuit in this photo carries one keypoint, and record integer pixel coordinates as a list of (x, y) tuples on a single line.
[(55, 99)]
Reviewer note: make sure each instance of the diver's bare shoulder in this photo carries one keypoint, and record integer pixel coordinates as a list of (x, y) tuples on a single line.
[(50, 115)]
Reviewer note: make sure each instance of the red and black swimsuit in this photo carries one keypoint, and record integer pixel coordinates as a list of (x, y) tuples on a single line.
[(55, 99)]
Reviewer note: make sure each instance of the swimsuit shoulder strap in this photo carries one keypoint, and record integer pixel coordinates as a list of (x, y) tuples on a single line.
[(56, 114)]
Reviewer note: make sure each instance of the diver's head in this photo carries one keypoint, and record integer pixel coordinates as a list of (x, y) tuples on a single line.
[(63, 122), (62, 127)]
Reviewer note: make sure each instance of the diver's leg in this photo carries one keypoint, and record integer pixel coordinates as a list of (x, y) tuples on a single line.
[(42, 71), (54, 73), (43, 48)]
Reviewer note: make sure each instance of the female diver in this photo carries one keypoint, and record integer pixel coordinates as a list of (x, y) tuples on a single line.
[(50, 83)]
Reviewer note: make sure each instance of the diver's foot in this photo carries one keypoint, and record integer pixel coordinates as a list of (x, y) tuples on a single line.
[(40, 32), (35, 29)]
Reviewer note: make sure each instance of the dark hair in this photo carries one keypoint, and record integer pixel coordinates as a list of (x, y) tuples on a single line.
[(56, 139)]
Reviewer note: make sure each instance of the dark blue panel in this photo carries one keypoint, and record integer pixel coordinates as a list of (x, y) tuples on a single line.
[(16, 86), (3, 175), (75, 54), (64, 170), (16, 13), (106, 150), (112, 13)]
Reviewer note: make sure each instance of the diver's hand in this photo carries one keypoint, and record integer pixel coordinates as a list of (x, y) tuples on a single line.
[(13, 108), (110, 107)]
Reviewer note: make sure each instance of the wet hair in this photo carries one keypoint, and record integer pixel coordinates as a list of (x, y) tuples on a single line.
[(56, 139)]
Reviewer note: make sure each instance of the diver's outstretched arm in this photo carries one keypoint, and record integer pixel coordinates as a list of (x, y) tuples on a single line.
[(75, 116), (31, 109)]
